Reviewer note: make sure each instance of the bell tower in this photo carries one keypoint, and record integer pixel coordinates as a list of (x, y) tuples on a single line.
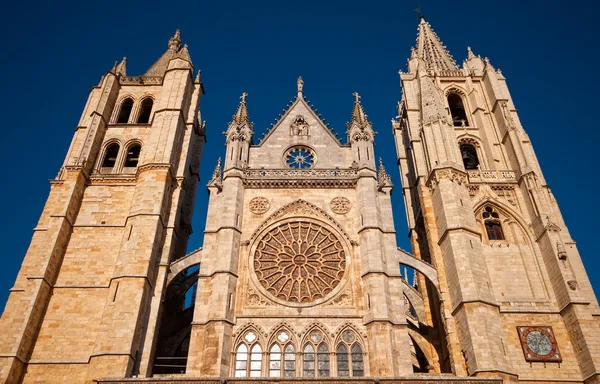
[(87, 298), (515, 300)]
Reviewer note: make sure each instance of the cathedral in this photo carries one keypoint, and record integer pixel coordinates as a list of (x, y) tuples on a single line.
[(300, 277)]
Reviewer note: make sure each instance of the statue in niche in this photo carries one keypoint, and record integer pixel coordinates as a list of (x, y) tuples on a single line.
[(299, 126)]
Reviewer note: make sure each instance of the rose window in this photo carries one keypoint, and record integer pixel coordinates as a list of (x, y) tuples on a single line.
[(299, 261), (300, 158)]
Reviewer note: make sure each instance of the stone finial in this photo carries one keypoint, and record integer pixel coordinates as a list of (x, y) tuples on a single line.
[(470, 54), (300, 84), (217, 176), (175, 41), (197, 79), (383, 178), (121, 68)]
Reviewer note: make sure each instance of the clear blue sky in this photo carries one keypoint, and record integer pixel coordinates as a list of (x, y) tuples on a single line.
[(54, 52)]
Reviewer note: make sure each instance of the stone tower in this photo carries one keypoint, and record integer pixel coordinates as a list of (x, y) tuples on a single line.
[(514, 299), (86, 301)]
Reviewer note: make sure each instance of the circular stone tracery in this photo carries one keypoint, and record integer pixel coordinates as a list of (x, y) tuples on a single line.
[(299, 261)]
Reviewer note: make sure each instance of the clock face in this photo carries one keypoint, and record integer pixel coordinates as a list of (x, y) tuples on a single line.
[(539, 344)]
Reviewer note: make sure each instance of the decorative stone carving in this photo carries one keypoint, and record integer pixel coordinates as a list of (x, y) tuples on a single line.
[(572, 285), (255, 299), (299, 261), (259, 205), (343, 300), (340, 205), (539, 344), (299, 126), (446, 173)]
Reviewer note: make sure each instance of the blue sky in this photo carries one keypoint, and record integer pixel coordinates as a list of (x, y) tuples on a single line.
[(54, 52)]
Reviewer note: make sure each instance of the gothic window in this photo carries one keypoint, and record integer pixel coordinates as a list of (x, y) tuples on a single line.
[(358, 366), (323, 360), (241, 360), (342, 360), (255, 361), (493, 227), (133, 156), (145, 110), (248, 364), (300, 158), (282, 364), (469, 156), (289, 361), (309, 360), (275, 361), (125, 111), (457, 110), (110, 156), (349, 356)]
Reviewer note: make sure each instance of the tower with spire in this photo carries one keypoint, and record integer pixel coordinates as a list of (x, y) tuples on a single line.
[(480, 211), (87, 301)]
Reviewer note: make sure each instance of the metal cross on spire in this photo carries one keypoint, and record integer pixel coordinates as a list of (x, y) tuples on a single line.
[(356, 97), (243, 97)]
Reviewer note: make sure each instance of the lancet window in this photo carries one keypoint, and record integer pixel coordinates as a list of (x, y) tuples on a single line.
[(110, 156), (145, 111), (248, 357), (125, 111), (493, 226), (282, 364), (350, 361), (457, 110)]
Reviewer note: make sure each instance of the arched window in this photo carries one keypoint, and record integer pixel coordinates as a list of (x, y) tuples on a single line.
[(133, 156), (255, 361), (493, 227), (309, 361), (282, 364), (349, 357), (125, 111), (457, 110), (241, 360), (275, 361), (289, 361), (358, 366), (342, 360), (110, 156), (469, 156), (145, 110), (323, 360)]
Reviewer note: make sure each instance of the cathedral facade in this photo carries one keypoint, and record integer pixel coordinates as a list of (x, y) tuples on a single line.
[(299, 277)]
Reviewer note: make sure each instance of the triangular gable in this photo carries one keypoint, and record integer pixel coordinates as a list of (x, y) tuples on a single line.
[(298, 107)]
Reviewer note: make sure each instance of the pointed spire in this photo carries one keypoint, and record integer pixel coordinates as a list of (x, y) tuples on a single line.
[(431, 49), (383, 178), (121, 68), (197, 79), (175, 41), (217, 176), (241, 114), (358, 113), (415, 284)]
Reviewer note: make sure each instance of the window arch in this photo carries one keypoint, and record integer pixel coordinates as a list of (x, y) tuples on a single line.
[(469, 156), (457, 110), (349, 356), (145, 111), (110, 156), (282, 356), (493, 226), (125, 111), (316, 355), (133, 155), (248, 356)]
